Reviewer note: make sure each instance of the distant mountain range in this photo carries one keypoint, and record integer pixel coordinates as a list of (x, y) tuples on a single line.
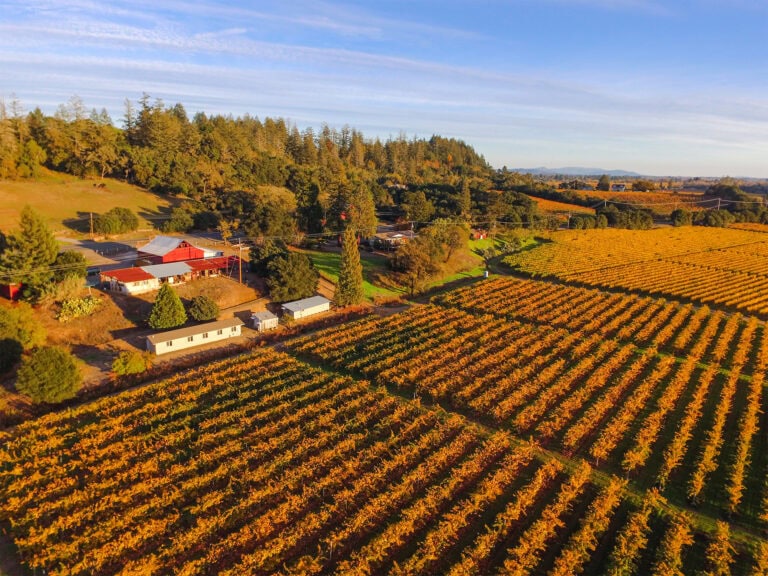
[(575, 171)]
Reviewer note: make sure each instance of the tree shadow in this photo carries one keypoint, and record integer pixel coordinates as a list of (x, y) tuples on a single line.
[(156, 217), (81, 223), (94, 356)]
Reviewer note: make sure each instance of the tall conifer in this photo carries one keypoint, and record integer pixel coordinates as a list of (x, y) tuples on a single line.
[(349, 289), (168, 310)]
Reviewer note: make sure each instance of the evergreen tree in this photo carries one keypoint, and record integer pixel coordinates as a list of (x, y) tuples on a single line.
[(168, 311), (70, 264), (349, 289), (203, 308), (291, 277), (465, 200), (29, 254), (49, 374), (604, 183)]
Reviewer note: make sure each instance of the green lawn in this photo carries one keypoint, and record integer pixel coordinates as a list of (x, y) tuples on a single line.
[(328, 264)]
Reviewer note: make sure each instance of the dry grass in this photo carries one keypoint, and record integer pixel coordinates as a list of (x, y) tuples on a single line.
[(61, 198)]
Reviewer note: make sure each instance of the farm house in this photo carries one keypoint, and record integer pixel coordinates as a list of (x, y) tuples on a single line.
[(183, 338), (306, 307), (263, 321), (130, 280)]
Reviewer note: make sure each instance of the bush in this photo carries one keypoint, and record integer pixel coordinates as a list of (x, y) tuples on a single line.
[(202, 308), (19, 331), (116, 221), (50, 374), (131, 362), (77, 308), (681, 217), (713, 218)]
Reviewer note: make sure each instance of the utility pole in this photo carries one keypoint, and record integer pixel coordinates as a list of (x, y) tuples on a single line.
[(240, 259), (91, 225), (718, 203)]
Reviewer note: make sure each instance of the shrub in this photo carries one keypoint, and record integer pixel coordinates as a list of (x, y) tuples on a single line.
[(77, 308), (19, 331), (131, 362), (50, 374), (116, 221), (202, 308)]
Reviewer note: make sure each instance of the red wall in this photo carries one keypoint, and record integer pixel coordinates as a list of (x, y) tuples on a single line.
[(182, 253)]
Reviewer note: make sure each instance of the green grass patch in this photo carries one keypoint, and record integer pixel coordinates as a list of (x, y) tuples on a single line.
[(66, 201), (328, 264)]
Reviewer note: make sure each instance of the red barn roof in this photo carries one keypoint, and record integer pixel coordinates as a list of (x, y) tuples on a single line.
[(128, 275), (218, 263)]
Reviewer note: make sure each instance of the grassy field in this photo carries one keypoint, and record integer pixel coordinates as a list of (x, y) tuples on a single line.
[(328, 264), (66, 201)]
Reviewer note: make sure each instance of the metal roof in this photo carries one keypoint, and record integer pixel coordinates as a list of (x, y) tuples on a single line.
[(167, 270), (264, 315), (310, 302), (161, 245), (211, 263), (194, 330), (128, 275)]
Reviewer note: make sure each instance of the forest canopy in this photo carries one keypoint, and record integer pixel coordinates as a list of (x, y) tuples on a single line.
[(222, 165)]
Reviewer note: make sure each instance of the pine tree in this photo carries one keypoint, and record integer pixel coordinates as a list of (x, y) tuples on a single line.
[(203, 308), (29, 253), (465, 200), (349, 289), (49, 374), (291, 277), (168, 311)]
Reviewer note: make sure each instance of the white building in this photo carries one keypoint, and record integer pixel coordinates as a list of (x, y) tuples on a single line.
[(263, 321), (183, 338), (130, 280), (306, 307)]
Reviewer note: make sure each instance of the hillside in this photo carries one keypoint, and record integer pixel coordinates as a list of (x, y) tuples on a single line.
[(65, 200)]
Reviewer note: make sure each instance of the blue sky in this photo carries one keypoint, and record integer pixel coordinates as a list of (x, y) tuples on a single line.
[(678, 87)]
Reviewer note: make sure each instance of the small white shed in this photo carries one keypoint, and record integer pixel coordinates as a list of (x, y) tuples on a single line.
[(263, 321), (175, 340), (307, 307)]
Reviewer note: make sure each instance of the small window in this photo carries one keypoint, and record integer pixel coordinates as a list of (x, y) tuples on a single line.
[(169, 343), (190, 338), (205, 334), (219, 332), (234, 328)]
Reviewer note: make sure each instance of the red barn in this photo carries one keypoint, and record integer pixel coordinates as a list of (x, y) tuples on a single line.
[(164, 249)]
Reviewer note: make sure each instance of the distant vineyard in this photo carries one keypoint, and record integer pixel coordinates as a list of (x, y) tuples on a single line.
[(552, 206), (664, 393), (727, 268), (262, 465), (661, 202)]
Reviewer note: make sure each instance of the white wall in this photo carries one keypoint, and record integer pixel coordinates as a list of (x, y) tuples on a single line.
[(309, 311), (182, 343)]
